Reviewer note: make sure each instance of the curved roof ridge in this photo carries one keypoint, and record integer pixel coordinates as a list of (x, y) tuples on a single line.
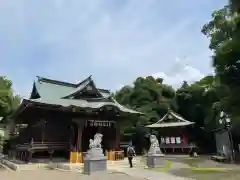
[(52, 81)]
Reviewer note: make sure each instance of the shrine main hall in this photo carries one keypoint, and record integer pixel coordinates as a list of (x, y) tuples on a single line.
[(61, 117)]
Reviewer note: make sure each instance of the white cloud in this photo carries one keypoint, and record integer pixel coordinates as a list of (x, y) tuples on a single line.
[(180, 72)]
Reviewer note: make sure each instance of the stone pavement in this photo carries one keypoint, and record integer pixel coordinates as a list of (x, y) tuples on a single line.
[(148, 174), (61, 175), (127, 173), (139, 171), (121, 169)]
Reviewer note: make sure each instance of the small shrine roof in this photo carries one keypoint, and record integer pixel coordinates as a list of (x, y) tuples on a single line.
[(170, 119)]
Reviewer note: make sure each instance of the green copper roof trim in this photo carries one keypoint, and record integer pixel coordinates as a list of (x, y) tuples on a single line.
[(48, 88), (52, 81), (83, 104)]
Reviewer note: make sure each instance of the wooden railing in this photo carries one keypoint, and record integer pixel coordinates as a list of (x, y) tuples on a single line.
[(43, 146), (115, 155), (24, 151), (119, 155)]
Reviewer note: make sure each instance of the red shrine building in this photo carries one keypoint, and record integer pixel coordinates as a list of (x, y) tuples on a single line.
[(61, 117), (173, 134)]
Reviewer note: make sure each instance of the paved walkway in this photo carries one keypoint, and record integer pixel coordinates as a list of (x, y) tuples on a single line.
[(61, 175), (121, 169), (148, 174), (139, 172)]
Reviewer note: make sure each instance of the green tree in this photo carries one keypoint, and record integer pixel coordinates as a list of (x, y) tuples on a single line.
[(198, 102), (224, 34), (8, 101), (149, 96)]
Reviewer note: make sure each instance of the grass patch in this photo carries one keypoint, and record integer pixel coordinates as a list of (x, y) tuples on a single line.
[(208, 174), (205, 170)]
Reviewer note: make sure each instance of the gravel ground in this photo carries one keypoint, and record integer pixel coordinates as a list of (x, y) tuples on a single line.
[(61, 175)]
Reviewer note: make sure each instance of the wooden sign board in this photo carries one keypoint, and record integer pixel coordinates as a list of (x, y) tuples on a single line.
[(99, 123)]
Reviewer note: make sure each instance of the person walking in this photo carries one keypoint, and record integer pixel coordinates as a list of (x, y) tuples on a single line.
[(130, 153)]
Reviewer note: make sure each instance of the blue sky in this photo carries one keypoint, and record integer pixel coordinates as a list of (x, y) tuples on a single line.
[(113, 40)]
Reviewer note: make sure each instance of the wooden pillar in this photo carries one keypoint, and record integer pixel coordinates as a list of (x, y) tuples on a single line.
[(80, 124), (79, 139), (43, 128), (117, 136)]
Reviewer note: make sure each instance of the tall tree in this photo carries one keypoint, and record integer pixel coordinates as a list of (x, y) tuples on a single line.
[(8, 101), (224, 34), (147, 95)]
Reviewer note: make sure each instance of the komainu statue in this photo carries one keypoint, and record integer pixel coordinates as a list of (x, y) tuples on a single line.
[(95, 160), (154, 147), (96, 142)]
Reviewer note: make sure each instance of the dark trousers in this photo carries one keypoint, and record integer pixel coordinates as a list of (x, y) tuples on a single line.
[(130, 161)]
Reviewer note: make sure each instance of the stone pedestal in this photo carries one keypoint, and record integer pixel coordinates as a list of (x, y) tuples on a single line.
[(155, 160), (94, 161)]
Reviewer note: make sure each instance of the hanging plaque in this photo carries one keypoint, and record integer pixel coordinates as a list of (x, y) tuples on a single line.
[(99, 123)]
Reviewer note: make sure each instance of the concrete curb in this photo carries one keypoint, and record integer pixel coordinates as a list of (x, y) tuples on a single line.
[(17, 167), (9, 164), (66, 167)]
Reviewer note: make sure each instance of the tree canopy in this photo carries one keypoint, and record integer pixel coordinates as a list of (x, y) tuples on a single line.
[(224, 34), (198, 102), (8, 100), (148, 95)]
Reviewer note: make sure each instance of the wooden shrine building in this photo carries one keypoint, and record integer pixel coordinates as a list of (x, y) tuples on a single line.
[(63, 117), (173, 134)]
